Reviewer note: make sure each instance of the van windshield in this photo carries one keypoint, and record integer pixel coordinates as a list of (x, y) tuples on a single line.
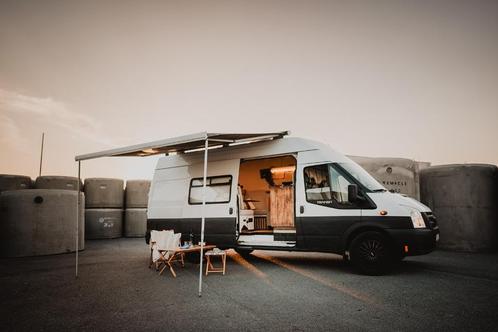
[(362, 176)]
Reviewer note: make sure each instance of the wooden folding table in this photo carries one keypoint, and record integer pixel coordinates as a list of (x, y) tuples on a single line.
[(179, 254)]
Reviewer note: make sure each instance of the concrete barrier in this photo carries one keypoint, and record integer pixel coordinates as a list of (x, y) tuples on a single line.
[(103, 193), (40, 222), (137, 193), (464, 199), (398, 175), (14, 182), (103, 223), (135, 222), (57, 182)]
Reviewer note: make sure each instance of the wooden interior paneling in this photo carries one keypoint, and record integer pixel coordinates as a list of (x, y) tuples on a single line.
[(281, 207)]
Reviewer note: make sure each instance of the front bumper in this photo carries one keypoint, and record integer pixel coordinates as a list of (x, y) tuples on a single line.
[(412, 242)]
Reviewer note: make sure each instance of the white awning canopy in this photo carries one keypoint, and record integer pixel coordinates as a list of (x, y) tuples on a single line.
[(181, 144)]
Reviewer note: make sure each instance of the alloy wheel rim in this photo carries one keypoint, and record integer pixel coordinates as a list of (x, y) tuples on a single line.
[(371, 250)]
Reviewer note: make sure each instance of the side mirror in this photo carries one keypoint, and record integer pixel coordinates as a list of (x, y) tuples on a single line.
[(352, 193)]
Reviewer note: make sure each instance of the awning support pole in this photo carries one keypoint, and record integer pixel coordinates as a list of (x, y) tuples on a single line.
[(203, 218), (78, 215)]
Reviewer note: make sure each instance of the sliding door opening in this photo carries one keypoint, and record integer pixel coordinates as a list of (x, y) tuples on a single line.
[(266, 202)]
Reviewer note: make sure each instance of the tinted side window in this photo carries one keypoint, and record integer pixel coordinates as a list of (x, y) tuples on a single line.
[(218, 190), (325, 185), (317, 185)]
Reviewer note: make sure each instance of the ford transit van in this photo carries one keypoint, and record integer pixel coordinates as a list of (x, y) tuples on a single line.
[(289, 194)]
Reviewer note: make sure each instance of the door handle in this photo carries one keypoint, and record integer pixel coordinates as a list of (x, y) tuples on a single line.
[(301, 209), (230, 210)]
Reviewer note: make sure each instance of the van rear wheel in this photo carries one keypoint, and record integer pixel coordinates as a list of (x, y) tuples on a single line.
[(370, 253)]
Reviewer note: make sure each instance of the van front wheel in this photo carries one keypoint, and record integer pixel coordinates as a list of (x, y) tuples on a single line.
[(370, 253)]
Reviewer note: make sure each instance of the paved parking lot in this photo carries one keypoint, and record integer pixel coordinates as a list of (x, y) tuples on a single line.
[(267, 291)]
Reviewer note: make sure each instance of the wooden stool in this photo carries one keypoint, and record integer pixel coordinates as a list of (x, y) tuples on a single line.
[(209, 265)]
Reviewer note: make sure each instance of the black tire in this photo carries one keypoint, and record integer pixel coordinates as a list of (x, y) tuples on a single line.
[(244, 252), (370, 253), (398, 257)]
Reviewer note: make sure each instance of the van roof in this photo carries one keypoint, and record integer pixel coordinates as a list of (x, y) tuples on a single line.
[(263, 149)]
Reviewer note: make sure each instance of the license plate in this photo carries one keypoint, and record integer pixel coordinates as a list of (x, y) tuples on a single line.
[(437, 237)]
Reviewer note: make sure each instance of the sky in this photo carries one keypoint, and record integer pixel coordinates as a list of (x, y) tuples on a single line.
[(412, 79)]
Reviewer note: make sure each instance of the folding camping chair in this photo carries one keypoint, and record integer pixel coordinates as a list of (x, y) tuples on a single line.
[(154, 236), (166, 251)]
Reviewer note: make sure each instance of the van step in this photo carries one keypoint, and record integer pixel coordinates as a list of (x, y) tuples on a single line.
[(268, 243)]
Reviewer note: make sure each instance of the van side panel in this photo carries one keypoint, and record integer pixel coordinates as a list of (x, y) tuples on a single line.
[(169, 206), (168, 193), (218, 231), (323, 233)]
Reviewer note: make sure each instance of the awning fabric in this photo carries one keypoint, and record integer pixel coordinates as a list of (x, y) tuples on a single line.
[(181, 144)]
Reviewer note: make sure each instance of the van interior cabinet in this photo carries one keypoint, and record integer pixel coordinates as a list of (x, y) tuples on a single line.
[(281, 207)]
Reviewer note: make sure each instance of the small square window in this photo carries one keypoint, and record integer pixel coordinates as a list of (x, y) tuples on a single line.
[(218, 190)]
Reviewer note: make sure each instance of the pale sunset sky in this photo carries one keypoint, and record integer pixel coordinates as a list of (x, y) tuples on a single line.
[(413, 79)]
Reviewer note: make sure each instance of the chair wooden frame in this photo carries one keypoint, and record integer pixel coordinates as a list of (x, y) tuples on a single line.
[(176, 256)]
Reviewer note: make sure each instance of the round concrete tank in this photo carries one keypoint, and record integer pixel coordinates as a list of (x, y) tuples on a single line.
[(135, 223), (104, 193), (398, 175), (464, 199), (14, 182), (57, 182), (40, 222), (137, 193), (103, 223)]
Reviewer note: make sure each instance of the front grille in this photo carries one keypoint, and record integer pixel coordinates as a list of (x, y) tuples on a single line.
[(430, 220)]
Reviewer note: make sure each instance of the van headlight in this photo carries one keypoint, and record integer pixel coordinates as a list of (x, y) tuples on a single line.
[(417, 219)]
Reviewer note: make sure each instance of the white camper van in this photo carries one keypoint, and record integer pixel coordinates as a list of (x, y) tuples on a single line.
[(289, 194)]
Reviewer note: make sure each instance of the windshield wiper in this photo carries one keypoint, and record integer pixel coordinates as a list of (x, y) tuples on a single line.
[(379, 190)]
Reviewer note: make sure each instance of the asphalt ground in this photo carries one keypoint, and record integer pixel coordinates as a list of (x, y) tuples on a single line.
[(277, 291)]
